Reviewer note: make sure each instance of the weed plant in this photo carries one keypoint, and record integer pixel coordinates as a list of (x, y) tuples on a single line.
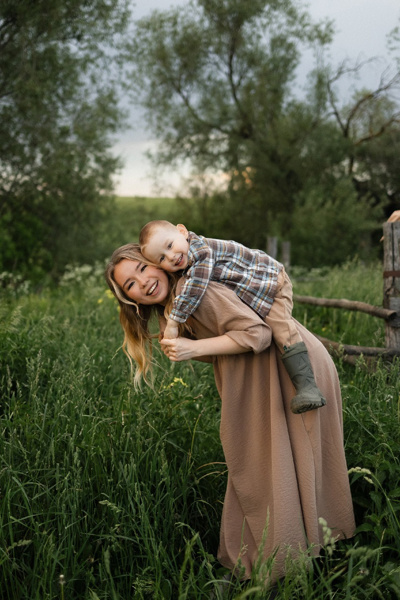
[(108, 493)]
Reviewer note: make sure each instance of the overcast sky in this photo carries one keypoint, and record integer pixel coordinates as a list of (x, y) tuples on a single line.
[(361, 30)]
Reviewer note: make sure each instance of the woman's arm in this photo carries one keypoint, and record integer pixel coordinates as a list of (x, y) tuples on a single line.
[(179, 349), (223, 325)]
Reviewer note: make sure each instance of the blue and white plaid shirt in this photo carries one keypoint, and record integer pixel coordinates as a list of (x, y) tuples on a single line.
[(251, 274)]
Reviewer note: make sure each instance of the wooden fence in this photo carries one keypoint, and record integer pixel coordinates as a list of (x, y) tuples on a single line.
[(389, 311)]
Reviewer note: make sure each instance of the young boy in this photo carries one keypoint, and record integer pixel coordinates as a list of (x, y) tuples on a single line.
[(259, 280)]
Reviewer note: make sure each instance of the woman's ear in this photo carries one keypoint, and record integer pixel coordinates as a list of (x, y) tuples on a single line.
[(182, 229)]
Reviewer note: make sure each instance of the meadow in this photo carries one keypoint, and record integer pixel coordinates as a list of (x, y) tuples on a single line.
[(108, 493), (132, 212)]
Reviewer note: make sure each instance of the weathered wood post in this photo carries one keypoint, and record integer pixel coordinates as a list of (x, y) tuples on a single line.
[(391, 281), (272, 246), (286, 255)]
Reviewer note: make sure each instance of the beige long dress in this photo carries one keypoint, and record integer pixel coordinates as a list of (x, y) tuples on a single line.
[(285, 467)]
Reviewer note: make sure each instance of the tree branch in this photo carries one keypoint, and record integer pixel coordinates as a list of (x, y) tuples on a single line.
[(193, 112), (394, 119), (383, 87)]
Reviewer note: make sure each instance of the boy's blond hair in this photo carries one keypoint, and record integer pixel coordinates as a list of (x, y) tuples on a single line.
[(150, 228)]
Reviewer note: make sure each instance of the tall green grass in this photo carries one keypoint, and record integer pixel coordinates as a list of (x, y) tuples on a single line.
[(107, 493)]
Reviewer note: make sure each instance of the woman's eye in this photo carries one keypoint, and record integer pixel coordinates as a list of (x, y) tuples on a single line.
[(169, 246), (143, 268), (161, 258), (130, 285)]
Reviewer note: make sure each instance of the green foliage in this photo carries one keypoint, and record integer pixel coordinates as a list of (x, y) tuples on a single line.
[(378, 165), (109, 493), (58, 110), (327, 230)]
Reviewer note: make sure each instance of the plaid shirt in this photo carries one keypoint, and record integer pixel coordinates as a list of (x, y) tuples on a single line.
[(251, 274)]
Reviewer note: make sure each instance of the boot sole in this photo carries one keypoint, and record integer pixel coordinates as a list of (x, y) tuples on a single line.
[(306, 406)]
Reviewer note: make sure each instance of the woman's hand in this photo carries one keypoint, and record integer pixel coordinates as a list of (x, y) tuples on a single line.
[(178, 349), (184, 349)]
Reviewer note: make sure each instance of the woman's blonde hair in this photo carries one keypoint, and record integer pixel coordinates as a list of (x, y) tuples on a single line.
[(134, 317)]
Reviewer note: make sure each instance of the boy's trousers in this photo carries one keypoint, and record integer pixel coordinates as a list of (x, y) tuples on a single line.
[(279, 318)]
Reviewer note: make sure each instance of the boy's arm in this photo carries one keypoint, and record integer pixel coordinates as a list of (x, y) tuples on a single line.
[(171, 331), (162, 323), (195, 285)]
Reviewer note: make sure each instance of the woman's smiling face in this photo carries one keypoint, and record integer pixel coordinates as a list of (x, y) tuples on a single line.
[(142, 283)]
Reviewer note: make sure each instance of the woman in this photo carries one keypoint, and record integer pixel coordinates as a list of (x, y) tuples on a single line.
[(285, 471)]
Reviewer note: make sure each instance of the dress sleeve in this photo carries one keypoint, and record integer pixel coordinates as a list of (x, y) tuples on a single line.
[(195, 283), (221, 312)]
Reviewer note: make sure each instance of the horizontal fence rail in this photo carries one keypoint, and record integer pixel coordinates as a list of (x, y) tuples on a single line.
[(370, 309), (339, 349)]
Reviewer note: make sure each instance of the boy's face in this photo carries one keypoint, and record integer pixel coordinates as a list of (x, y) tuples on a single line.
[(168, 247)]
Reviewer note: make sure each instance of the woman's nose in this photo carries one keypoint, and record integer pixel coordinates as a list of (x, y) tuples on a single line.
[(142, 279)]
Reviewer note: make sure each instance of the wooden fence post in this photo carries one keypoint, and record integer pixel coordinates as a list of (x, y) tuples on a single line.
[(286, 255), (391, 281), (272, 246)]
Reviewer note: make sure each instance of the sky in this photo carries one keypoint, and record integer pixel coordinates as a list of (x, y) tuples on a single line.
[(361, 30)]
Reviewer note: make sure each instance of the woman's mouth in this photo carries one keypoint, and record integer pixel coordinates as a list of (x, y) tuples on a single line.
[(152, 289)]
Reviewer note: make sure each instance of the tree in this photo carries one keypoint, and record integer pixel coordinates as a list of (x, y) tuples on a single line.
[(218, 82), (215, 80), (370, 125), (58, 109)]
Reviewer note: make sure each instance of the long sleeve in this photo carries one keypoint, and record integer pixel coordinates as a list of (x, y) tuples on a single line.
[(222, 313), (196, 281)]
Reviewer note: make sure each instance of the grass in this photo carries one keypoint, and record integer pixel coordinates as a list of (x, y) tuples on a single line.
[(111, 494)]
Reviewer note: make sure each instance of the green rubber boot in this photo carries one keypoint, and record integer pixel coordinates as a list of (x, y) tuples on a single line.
[(297, 363)]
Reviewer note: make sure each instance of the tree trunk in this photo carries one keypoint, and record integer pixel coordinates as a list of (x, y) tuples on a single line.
[(286, 255), (272, 246)]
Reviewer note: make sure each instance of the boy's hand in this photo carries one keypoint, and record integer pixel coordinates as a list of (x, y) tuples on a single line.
[(395, 216), (162, 323), (171, 330)]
